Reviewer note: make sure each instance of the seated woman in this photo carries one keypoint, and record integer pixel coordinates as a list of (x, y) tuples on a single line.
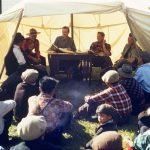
[(30, 44)]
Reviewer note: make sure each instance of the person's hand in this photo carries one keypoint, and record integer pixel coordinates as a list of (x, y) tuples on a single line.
[(86, 98), (104, 41)]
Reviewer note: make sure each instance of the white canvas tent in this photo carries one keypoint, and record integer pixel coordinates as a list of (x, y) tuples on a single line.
[(48, 17)]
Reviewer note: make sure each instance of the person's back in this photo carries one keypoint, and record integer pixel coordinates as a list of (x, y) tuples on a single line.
[(114, 95), (27, 88), (56, 112), (119, 99), (109, 140), (142, 75), (132, 87), (11, 63)]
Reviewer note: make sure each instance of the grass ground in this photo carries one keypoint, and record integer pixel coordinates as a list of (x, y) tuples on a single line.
[(82, 131)]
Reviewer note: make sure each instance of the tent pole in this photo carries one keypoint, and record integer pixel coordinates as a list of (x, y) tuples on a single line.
[(71, 18), (13, 37)]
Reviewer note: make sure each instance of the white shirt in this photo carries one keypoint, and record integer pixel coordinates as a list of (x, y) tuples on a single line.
[(5, 107), (19, 55)]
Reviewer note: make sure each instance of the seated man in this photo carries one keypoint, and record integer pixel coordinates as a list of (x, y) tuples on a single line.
[(31, 130), (131, 60), (20, 59), (142, 75), (32, 43), (132, 87), (114, 95), (131, 48), (56, 112), (102, 50), (15, 59), (27, 88), (66, 42)]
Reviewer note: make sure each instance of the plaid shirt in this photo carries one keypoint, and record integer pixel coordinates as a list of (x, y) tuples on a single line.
[(116, 96), (53, 111), (133, 89)]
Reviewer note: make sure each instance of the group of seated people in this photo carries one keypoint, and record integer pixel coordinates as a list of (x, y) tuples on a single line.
[(42, 117)]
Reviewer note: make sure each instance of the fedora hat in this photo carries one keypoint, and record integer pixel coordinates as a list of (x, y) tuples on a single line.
[(33, 32), (126, 71)]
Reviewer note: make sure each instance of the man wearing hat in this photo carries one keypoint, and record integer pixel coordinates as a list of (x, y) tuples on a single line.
[(142, 75), (27, 88), (115, 95), (32, 43), (107, 118), (132, 87), (31, 130)]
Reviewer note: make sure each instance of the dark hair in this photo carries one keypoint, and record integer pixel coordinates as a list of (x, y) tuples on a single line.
[(101, 33), (47, 84), (131, 35), (18, 38), (65, 27)]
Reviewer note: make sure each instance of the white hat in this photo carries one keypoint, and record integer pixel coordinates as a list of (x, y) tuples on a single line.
[(31, 127), (30, 76), (110, 76)]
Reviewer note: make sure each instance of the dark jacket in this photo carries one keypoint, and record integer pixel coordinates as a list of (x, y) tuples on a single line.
[(110, 126), (35, 145), (11, 63), (22, 93)]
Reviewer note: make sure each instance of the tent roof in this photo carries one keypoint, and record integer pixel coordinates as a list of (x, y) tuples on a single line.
[(58, 7)]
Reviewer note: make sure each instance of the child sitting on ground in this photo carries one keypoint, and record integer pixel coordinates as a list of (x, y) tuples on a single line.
[(107, 117)]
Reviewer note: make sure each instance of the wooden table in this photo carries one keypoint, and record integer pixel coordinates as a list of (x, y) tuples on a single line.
[(85, 62)]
